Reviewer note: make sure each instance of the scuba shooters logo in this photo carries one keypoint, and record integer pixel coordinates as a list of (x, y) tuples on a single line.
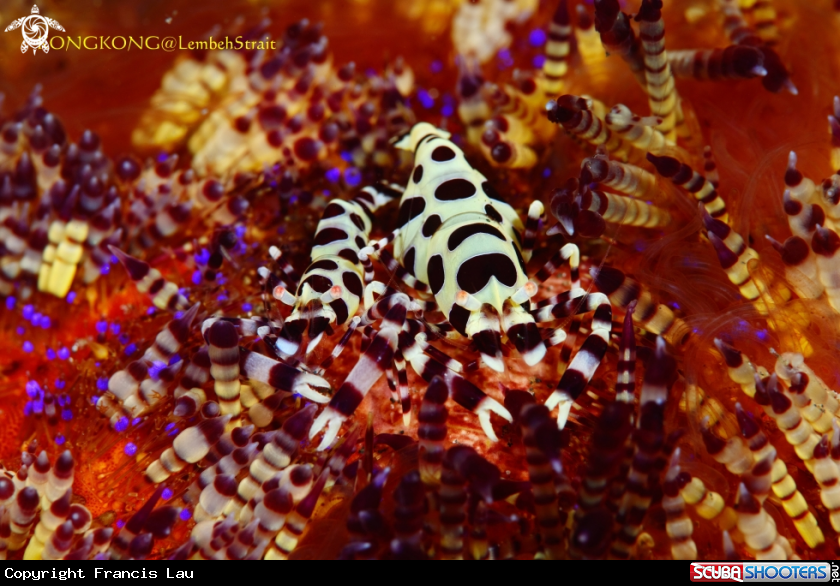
[(35, 29), (760, 571)]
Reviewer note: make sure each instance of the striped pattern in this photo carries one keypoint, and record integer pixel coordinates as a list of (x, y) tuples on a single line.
[(223, 349), (662, 94), (655, 318), (625, 384), (431, 432), (677, 523), (281, 376), (826, 244), (693, 182), (576, 116), (741, 33), (540, 457), (734, 256), (625, 211), (784, 487), (604, 459), (733, 62), (637, 131), (370, 367), (503, 150), (627, 179), (190, 446), (557, 50), (791, 367), (171, 339), (583, 365), (657, 383), (618, 36), (758, 528), (276, 456), (827, 474), (296, 521), (164, 294), (196, 373), (764, 17), (798, 432), (521, 103)]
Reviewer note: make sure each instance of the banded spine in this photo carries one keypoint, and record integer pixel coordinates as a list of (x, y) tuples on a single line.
[(557, 50), (693, 182), (733, 62), (662, 94), (677, 523), (637, 131), (165, 295), (577, 117)]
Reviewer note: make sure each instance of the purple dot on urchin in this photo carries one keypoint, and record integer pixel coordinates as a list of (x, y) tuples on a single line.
[(10, 303), (36, 319), (32, 388), (121, 425), (447, 110), (426, 100), (115, 329), (202, 257), (185, 515), (46, 322), (28, 347), (352, 176), (59, 383), (20, 330), (537, 37), (247, 307), (101, 327), (436, 66), (120, 524), (538, 61), (130, 349), (60, 439), (102, 383), (64, 353), (71, 297), (136, 421), (50, 354), (166, 494), (28, 312), (67, 415), (130, 449), (333, 175), (196, 277)]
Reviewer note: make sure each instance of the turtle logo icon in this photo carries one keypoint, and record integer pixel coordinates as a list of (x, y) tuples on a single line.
[(35, 29)]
